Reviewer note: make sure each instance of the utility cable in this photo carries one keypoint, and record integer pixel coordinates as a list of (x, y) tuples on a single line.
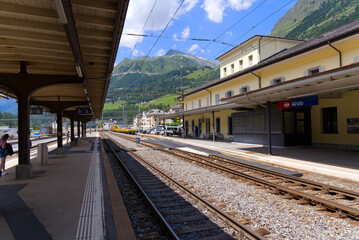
[(163, 30), (263, 20), (153, 6), (240, 20)]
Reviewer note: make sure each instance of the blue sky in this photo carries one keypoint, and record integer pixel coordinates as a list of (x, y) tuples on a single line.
[(200, 19)]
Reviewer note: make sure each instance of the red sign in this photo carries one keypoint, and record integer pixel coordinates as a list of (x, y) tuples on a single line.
[(286, 104)]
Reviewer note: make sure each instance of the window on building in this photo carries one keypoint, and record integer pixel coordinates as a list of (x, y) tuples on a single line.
[(240, 64), (330, 120), (186, 107), (224, 72), (229, 94), (230, 126), (277, 80), (192, 105), (217, 99), (218, 125), (207, 101), (232, 68), (199, 103), (250, 60), (314, 70), (244, 89)]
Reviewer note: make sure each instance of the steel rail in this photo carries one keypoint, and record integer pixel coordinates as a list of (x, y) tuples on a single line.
[(313, 184), (163, 221), (354, 213), (330, 205), (223, 215)]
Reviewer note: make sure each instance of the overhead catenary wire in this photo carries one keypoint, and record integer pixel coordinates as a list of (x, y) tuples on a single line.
[(240, 20), (153, 6), (164, 30), (179, 38), (263, 20)]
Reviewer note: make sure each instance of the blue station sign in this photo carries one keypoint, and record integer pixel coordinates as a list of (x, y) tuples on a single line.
[(83, 110), (298, 102)]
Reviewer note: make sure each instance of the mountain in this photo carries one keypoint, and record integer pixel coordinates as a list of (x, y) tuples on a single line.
[(154, 77), (162, 64), (310, 18)]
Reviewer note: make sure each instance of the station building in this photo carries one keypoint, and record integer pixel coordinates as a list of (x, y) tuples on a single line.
[(309, 90)]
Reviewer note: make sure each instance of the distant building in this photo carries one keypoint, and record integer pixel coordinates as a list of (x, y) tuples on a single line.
[(148, 119)]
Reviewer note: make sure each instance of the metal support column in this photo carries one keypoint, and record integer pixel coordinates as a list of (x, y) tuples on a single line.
[(72, 120), (78, 129), (59, 128), (269, 129), (24, 169), (214, 136), (24, 129)]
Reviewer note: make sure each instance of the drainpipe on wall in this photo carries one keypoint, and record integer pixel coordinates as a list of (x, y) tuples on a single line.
[(210, 96), (259, 80), (340, 54), (259, 48)]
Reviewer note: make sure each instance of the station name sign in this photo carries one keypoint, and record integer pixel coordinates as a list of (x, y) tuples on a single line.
[(36, 111), (83, 110), (298, 102)]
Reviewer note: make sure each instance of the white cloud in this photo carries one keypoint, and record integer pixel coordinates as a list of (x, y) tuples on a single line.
[(185, 32), (215, 8), (139, 10), (135, 52), (160, 52), (193, 47), (240, 4)]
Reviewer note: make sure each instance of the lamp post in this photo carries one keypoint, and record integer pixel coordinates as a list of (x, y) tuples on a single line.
[(182, 99)]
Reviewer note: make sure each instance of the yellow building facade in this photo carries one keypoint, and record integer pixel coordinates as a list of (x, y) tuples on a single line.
[(263, 73)]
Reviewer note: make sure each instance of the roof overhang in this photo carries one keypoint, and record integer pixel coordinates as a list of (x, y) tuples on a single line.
[(197, 111), (62, 38), (322, 84)]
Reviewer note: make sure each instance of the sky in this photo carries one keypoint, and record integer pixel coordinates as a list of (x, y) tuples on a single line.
[(178, 24)]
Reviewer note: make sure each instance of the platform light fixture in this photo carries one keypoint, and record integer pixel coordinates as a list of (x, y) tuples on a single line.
[(60, 11), (78, 69)]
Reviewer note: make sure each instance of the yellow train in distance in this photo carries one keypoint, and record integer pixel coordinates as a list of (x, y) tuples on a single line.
[(115, 128)]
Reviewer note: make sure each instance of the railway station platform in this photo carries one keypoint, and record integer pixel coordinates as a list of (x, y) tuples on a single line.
[(69, 198), (332, 162)]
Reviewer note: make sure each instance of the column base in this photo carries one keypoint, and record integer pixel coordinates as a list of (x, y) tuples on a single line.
[(23, 171)]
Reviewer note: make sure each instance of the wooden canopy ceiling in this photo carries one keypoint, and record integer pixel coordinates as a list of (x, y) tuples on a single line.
[(62, 37)]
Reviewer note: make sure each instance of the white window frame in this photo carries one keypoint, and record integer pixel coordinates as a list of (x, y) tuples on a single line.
[(310, 70), (207, 101), (232, 68), (192, 105), (250, 60), (241, 64), (199, 103), (224, 72), (217, 98), (186, 107)]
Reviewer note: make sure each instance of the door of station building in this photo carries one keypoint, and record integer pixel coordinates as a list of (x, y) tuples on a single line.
[(297, 127), (208, 127)]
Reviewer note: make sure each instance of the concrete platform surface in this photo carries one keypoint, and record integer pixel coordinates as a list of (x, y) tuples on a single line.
[(66, 199), (332, 162)]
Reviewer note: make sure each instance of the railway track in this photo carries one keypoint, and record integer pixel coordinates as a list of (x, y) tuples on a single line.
[(173, 204), (338, 202)]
